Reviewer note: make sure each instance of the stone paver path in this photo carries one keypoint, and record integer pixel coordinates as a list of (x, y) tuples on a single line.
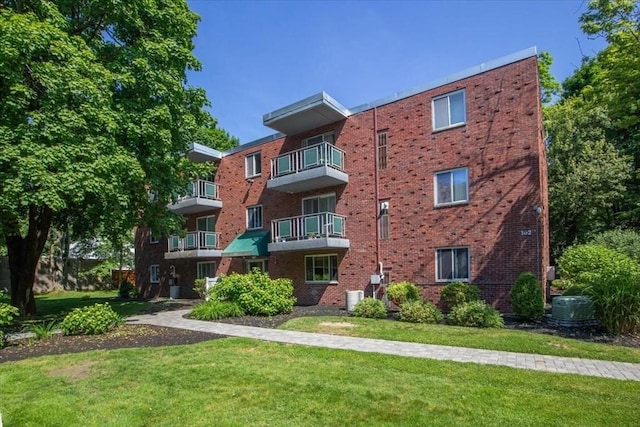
[(572, 365)]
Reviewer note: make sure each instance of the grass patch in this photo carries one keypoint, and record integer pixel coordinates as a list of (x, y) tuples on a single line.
[(490, 339), (55, 305), (233, 382)]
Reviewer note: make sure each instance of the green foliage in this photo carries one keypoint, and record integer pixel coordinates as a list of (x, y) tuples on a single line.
[(526, 297), (616, 302), (625, 241), (43, 329), (549, 86), (256, 293), (573, 291), (370, 308), (402, 292), (127, 290), (476, 314), (459, 292), (91, 320), (200, 287), (7, 314), (419, 312), (215, 310), (586, 264)]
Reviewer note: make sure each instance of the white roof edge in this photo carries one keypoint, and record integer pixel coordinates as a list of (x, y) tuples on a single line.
[(318, 98), (207, 151)]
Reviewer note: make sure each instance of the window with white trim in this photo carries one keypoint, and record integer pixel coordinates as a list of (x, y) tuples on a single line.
[(452, 264), (253, 165), (451, 187), (260, 264), (449, 110), (384, 220), (321, 268), (154, 273), (254, 217), (206, 269), (318, 139)]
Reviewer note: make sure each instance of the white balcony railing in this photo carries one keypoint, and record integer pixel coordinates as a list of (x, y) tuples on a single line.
[(325, 224), (207, 240), (202, 189), (323, 154)]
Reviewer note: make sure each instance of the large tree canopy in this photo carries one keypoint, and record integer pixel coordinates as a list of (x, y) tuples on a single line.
[(95, 112)]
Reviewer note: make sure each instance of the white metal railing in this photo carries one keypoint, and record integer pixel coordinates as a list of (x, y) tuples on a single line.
[(308, 158), (203, 189), (194, 240), (325, 224)]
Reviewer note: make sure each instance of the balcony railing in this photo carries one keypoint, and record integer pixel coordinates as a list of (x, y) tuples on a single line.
[(323, 154), (325, 224), (202, 189), (206, 240)]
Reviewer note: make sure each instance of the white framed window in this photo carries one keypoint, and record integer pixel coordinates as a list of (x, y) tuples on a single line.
[(206, 269), (449, 110), (319, 204), (206, 223), (254, 217), (384, 220), (321, 269), (318, 139), (260, 264), (451, 187), (452, 264), (153, 237), (253, 165), (154, 273)]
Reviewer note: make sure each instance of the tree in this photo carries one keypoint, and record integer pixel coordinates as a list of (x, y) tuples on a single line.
[(95, 112)]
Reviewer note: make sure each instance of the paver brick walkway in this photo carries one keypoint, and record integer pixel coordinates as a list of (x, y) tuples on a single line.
[(572, 365)]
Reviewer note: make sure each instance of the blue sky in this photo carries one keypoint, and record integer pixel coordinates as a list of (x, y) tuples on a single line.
[(258, 56)]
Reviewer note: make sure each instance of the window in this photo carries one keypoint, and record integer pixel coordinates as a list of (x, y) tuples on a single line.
[(153, 237), (253, 166), (384, 220), (154, 273), (451, 187), (449, 110), (321, 268), (318, 139), (319, 204), (206, 269), (452, 264), (260, 264), (254, 217), (382, 150), (206, 223)]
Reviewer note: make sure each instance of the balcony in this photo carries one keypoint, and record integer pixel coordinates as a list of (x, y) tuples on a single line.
[(195, 244), (308, 232), (202, 196), (310, 168)]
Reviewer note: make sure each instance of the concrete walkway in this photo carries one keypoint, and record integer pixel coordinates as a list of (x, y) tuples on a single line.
[(572, 365)]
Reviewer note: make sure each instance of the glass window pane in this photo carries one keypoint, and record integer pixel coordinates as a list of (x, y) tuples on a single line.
[(462, 264), (444, 188), (460, 185), (444, 265), (441, 112), (456, 105)]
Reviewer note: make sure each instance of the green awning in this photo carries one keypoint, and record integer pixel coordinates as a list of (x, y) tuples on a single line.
[(250, 243)]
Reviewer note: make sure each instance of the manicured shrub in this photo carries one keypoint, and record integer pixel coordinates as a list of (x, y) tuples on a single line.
[(624, 241), (475, 313), (459, 292), (91, 320), (526, 297), (127, 290), (214, 310), (371, 308), (256, 293), (419, 312), (585, 264), (402, 292)]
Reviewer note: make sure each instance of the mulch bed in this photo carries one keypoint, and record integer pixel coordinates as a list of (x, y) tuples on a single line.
[(128, 336)]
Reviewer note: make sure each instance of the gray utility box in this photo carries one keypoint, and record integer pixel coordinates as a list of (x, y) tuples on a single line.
[(572, 311)]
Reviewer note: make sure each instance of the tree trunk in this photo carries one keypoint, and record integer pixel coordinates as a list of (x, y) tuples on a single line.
[(24, 254)]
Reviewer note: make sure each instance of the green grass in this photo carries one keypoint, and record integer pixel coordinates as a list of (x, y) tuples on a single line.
[(491, 339), (238, 382), (58, 304)]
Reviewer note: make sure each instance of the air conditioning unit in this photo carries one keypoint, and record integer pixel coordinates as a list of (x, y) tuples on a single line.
[(573, 311)]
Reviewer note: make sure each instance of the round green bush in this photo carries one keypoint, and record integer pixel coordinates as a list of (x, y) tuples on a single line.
[(7, 314), (475, 313), (624, 241), (126, 289), (215, 310), (585, 264), (402, 292), (459, 292), (91, 320), (371, 308), (526, 297), (419, 312)]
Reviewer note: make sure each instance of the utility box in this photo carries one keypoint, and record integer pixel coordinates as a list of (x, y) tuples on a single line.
[(572, 311), (353, 297)]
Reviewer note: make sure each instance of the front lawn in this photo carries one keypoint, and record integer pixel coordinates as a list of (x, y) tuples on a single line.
[(490, 339), (237, 382), (55, 305)]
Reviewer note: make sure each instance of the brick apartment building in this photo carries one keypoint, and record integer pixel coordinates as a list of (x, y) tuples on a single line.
[(444, 183)]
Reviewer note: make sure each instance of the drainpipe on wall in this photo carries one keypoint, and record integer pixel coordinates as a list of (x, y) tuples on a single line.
[(377, 193)]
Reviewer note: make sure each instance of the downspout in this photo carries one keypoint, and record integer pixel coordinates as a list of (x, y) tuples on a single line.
[(377, 193)]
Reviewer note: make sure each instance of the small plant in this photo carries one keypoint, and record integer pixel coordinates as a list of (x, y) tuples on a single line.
[(526, 297), (419, 312), (616, 303), (3, 339), (459, 292), (91, 320), (44, 329), (370, 308), (215, 310), (200, 287), (7, 314), (127, 290), (475, 313), (401, 292)]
